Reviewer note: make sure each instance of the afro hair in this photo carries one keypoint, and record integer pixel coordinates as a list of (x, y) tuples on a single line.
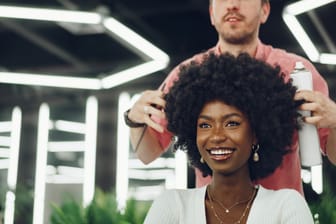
[(257, 89)]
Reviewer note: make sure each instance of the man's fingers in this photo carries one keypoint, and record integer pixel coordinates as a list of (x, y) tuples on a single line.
[(309, 96), (153, 125), (309, 106), (312, 120)]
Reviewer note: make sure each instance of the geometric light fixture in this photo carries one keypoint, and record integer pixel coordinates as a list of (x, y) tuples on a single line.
[(155, 59), (289, 15)]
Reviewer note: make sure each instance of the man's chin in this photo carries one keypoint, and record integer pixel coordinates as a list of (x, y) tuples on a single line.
[(237, 39)]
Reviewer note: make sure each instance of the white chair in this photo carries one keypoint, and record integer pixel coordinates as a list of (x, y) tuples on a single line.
[(10, 132), (51, 181)]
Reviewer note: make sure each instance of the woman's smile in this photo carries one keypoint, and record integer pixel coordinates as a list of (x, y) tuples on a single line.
[(221, 153)]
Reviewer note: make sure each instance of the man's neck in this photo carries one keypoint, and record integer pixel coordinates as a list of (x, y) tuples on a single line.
[(236, 49)]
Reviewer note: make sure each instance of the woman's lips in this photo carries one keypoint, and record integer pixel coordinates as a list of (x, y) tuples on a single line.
[(220, 153)]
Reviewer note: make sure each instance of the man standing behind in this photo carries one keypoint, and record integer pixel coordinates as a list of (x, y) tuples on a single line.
[(237, 23)]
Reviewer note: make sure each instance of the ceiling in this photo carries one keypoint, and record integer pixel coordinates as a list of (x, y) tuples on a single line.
[(178, 27)]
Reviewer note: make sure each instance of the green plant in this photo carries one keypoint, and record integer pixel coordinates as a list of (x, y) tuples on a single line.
[(102, 210), (24, 198), (2, 203), (324, 209)]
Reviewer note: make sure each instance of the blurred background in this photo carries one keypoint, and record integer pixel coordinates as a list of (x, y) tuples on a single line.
[(65, 84)]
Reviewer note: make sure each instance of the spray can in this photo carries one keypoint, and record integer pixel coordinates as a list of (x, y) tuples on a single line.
[(309, 142)]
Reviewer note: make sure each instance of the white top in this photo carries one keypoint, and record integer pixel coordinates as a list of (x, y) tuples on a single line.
[(283, 206)]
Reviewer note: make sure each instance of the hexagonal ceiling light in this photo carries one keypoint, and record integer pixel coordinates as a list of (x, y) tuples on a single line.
[(289, 16), (158, 59)]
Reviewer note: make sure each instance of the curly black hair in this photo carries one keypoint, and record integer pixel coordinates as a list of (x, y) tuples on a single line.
[(257, 89)]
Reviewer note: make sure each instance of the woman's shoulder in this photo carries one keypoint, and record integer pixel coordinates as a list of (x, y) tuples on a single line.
[(281, 196), (184, 193), (181, 199), (279, 192), (282, 206), (178, 206)]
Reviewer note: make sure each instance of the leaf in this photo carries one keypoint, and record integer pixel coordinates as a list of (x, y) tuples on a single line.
[(102, 210)]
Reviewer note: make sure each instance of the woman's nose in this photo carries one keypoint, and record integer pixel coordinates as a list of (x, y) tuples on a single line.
[(218, 134)]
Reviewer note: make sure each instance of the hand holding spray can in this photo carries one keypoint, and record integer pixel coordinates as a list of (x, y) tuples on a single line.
[(308, 137)]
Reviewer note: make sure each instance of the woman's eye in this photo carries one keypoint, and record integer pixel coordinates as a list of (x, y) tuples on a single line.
[(203, 125), (232, 124)]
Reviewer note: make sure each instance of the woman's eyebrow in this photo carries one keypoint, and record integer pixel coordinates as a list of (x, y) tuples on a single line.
[(226, 116)]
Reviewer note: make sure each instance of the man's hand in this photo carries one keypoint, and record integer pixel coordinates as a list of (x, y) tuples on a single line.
[(151, 103), (323, 108)]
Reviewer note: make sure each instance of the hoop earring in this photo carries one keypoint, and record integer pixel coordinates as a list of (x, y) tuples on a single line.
[(201, 160), (255, 149)]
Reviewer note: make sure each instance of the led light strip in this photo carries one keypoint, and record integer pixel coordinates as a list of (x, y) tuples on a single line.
[(41, 163), (13, 165), (122, 152), (55, 15), (158, 59), (49, 80), (289, 16), (91, 121)]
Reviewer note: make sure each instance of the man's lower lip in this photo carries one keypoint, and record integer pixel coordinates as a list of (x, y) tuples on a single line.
[(232, 21)]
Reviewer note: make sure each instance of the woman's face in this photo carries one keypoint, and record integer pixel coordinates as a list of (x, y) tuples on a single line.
[(224, 138)]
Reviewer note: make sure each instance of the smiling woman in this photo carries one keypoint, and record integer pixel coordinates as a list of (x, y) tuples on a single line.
[(228, 115), (224, 138)]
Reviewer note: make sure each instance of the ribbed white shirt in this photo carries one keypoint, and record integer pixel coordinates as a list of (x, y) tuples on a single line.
[(283, 206)]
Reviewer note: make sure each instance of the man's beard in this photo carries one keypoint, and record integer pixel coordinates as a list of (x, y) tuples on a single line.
[(242, 38)]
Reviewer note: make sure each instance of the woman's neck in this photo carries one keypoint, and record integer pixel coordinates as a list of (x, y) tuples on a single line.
[(229, 199), (229, 189)]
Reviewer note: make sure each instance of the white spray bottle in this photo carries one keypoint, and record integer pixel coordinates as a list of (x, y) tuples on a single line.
[(308, 137)]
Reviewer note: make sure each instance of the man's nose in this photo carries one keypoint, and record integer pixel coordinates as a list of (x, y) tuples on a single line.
[(233, 5)]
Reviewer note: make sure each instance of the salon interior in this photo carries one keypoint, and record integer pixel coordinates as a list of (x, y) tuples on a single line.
[(70, 68)]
